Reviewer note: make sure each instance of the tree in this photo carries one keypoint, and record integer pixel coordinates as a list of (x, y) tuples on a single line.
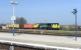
[(20, 20)]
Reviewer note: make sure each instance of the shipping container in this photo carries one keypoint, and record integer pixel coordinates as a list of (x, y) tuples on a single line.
[(2, 25), (35, 26), (12, 25), (28, 26), (21, 26)]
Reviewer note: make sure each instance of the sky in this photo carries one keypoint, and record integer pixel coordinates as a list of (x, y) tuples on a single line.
[(42, 11)]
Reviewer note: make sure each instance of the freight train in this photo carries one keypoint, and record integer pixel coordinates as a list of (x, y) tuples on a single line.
[(47, 26)]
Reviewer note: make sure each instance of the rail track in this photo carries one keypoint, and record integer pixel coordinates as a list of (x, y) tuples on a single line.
[(43, 32)]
